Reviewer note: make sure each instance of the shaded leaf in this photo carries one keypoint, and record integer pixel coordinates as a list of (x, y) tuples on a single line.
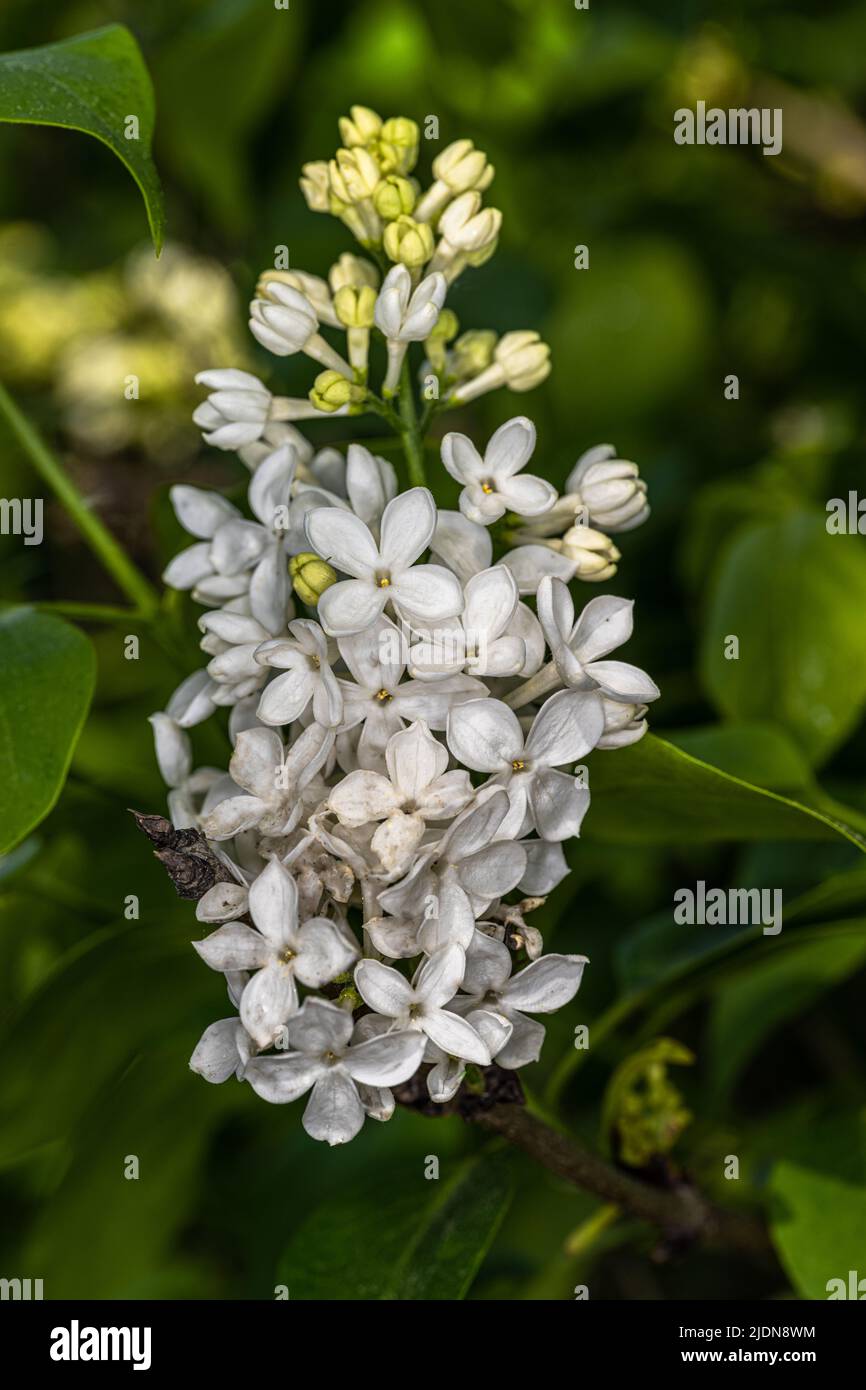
[(91, 83), (48, 677)]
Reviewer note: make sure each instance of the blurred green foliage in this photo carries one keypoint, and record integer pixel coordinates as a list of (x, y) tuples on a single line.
[(703, 262)]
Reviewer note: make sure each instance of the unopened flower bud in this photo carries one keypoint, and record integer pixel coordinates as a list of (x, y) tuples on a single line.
[(610, 489), (357, 175), (354, 271), (355, 307), (524, 359), (315, 186), (458, 169), (397, 146), (408, 242), (311, 576), (360, 127), (594, 554), (447, 327), (332, 391), (393, 197), (473, 352)]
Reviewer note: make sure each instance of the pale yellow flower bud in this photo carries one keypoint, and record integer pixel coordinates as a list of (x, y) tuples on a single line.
[(360, 127), (358, 172), (355, 307), (408, 241), (315, 186), (462, 167), (331, 391), (594, 553), (393, 197), (397, 146), (311, 576), (354, 271)]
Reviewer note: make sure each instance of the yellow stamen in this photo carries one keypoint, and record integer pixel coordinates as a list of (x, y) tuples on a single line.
[(383, 696), (518, 765)]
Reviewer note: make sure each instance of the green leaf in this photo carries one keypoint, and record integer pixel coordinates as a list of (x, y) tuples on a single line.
[(794, 596), (655, 794), (758, 753), (91, 83), (401, 1236), (774, 990), (48, 676), (818, 1217)]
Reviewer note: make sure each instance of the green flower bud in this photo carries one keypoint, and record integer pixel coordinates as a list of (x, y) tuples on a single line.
[(331, 391), (393, 197), (311, 576), (397, 145), (355, 307), (473, 351), (446, 327), (408, 241)]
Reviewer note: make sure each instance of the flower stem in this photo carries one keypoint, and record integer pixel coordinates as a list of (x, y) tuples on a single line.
[(413, 444), (112, 555), (679, 1212), (545, 680)]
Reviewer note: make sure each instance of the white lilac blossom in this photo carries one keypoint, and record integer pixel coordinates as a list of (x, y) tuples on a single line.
[(408, 691)]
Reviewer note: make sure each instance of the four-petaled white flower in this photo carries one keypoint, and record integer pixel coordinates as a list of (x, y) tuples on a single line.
[(282, 952), (539, 988), (307, 680), (578, 648), (480, 641), (274, 782), (487, 736), (417, 789), (340, 1072), (421, 1004), (239, 410), (383, 573), (492, 486)]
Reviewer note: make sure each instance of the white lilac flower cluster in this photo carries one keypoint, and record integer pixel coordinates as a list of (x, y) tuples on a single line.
[(408, 689)]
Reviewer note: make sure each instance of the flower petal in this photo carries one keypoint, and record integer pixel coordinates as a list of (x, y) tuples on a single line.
[(386, 1061), (274, 904), (270, 998), (351, 606), (216, 1054), (334, 1111), (567, 727), (323, 953), (510, 448), (485, 735), (545, 985), (382, 988), (234, 947), (343, 540), (408, 523), (456, 1037), (283, 1079), (558, 803), (427, 594)]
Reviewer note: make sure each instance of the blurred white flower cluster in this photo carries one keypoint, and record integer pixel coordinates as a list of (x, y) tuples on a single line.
[(409, 689)]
